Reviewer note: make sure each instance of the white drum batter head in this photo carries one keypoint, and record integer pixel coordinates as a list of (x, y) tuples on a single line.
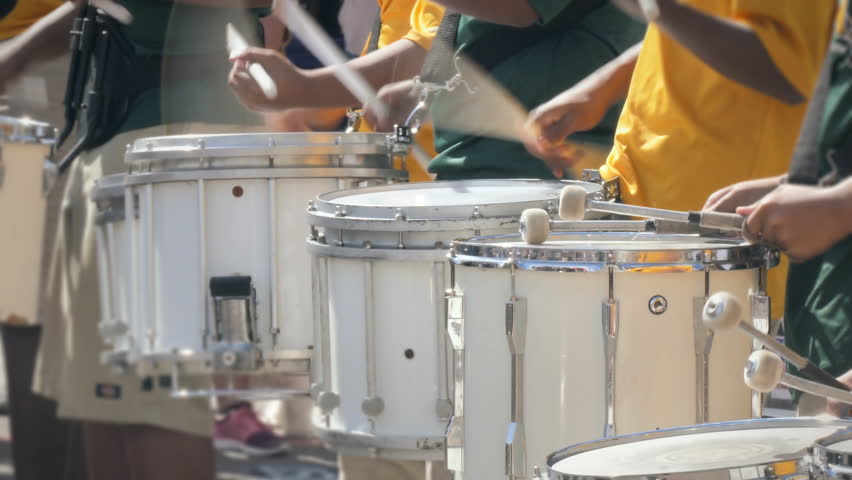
[(265, 150), (743, 450), (627, 251), (438, 206)]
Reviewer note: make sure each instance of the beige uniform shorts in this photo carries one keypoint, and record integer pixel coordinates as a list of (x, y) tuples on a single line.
[(68, 367)]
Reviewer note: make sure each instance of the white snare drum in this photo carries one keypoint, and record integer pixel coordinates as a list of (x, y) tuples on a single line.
[(381, 373), (590, 335), (832, 457), (767, 449), (25, 177), (218, 262)]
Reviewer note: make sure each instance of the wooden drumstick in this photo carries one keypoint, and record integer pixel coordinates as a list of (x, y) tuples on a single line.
[(574, 201), (236, 43), (723, 311), (765, 370)]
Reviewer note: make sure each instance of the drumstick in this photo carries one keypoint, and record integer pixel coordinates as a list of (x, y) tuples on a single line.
[(319, 43), (765, 370), (236, 43), (535, 226), (724, 312), (574, 201)]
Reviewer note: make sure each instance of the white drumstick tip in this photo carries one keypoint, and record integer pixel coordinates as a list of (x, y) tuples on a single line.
[(763, 371), (572, 203), (535, 226), (236, 43), (722, 311)]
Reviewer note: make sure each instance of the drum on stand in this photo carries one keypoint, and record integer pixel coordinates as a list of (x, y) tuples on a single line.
[(217, 262), (831, 457), (381, 375), (26, 175), (590, 335), (766, 449)]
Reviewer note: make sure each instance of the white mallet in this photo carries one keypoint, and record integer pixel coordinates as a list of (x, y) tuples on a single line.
[(723, 311), (535, 226), (765, 370)]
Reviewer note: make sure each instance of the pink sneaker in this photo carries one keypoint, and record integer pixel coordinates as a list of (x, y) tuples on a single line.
[(242, 431)]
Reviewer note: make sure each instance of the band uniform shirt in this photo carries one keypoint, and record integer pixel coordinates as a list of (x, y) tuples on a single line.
[(818, 317), (687, 131), (534, 76), (196, 34), (417, 21)]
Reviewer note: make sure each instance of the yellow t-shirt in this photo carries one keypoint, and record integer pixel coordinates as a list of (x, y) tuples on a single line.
[(25, 13), (687, 131), (418, 21)]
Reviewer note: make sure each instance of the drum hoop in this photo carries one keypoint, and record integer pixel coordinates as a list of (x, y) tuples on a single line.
[(25, 130), (392, 254), (485, 252), (135, 179), (368, 442), (831, 458), (259, 144), (325, 210), (738, 425)]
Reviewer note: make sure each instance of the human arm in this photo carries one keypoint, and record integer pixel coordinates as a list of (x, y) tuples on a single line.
[(46, 38), (514, 13), (732, 48), (320, 88), (740, 194), (803, 221), (580, 108)]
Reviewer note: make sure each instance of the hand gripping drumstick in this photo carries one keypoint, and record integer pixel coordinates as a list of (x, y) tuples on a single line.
[(765, 370), (237, 43), (574, 201), (724, 312)]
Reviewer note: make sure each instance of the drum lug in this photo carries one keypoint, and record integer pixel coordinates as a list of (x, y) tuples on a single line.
[(761, 318), (516, 334), (611, 188), (610, 333), (235, 323), (703, 346), (327, 402), (373, 406), (455, 430)]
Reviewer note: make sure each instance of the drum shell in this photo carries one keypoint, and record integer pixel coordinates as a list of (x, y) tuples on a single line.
[(565, 377)]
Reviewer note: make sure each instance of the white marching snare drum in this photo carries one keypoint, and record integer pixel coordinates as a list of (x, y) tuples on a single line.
[(25, 178), (767, 449), (381, 374), (831, 457), (112, 240), (218, 267), (589, 335)]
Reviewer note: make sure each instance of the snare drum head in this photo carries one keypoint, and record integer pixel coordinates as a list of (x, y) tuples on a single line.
[(262, 150), (696, 449), (446, 200)]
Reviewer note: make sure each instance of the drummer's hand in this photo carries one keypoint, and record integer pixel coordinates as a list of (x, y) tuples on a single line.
[(841, 409), (740, 194), (291, 82), (802, 221), (400, 98)]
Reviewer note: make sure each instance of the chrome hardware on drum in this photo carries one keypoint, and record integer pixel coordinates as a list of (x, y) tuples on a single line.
[(766, 449), (216, 260), (382, 376), (832, 457), (592, 334), (26, 175)]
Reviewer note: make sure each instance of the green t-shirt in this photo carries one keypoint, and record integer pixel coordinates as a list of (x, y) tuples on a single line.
[(165, 28), (818, 315), (534, 76)]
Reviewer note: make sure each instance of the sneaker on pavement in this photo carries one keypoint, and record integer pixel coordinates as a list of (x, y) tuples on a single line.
[(242, 431)]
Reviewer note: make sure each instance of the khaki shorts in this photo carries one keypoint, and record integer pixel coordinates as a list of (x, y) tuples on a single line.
[(68, 367)]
